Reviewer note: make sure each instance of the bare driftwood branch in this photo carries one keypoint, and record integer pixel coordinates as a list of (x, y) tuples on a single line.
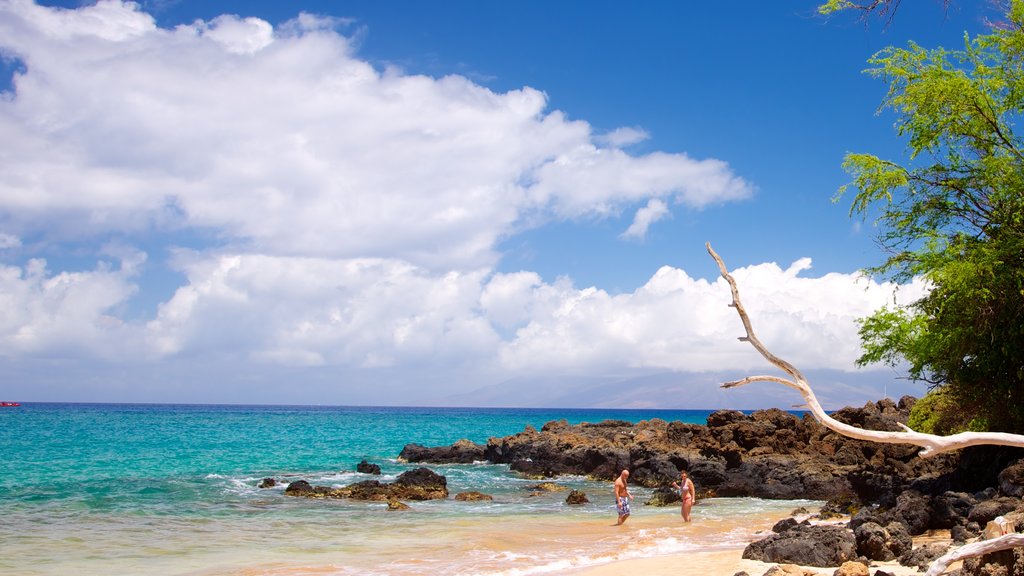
[(931, 443), (973, 550)]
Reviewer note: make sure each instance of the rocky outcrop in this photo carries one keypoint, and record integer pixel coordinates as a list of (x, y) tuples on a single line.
[(365, 467), (805, 545), (461, 452), (473, 496), (575, 498), (417, 484)]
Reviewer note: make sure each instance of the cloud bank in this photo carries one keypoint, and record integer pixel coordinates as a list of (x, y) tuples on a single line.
[(330, 216)]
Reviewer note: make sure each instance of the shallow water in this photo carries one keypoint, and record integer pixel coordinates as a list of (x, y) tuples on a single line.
[(130, 489)]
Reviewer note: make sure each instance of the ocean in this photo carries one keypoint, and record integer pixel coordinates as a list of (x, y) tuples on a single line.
[(172, 490)]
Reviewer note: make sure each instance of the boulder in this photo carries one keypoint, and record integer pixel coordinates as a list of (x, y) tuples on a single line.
[(923, 556), (473, 496), (395, 505), (1011, 480), (663, 496), (461, 452), (420, 484), (365, 467), (884, 543), (805, 545), (851, 568), (988, 510), (267, 483), (789, 570), (548, 487), (575, 498)]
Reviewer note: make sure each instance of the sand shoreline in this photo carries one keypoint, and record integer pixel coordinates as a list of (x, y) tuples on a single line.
[(729, 562)]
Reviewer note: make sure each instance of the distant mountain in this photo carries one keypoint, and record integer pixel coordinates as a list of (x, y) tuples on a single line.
[(690, 390)]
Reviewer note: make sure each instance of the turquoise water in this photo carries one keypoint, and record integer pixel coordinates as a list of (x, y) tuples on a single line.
[(171, 489)]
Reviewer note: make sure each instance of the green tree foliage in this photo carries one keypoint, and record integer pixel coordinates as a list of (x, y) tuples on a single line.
[(954, 215)]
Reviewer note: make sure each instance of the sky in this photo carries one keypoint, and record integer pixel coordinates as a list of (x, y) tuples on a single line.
[(440, 203)]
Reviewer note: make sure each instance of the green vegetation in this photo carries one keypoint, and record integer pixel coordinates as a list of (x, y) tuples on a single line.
[(953, 215)]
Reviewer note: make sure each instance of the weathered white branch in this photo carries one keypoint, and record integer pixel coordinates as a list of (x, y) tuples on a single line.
[(931, 443), (973, 550)]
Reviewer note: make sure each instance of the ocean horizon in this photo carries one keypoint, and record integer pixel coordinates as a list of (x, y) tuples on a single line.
[(101, 488)]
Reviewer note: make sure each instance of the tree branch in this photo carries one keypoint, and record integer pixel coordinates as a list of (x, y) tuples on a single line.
[(931, 443), (973, 550)]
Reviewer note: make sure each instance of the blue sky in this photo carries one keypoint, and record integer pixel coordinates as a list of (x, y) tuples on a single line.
[(437, 202)]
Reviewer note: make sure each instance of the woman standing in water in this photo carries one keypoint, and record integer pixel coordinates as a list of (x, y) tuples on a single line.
[(688, 493)]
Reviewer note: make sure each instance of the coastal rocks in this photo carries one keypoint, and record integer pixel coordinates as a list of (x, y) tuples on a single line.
[(418, 484), (395, 505), (1011, 480), (365, 467), (267, 483), (923, 556), (548, 487), (876, 542), (663, 496), (851, 568), (473, 496), (575, 498), (806, 545), (461, 452)]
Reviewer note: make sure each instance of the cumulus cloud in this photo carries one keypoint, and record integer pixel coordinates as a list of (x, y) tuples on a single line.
[(342, 217), (286, 143), (655, 210)]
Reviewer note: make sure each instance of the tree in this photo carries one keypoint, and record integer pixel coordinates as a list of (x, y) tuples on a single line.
[(954, 216)]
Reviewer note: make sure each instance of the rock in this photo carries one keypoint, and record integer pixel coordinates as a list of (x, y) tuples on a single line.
[(420, 484), (912, 508), (549, 487), (785, 524), (396, 505), (1011, 480), (789, 570), (663, 496), (461, 452), (922, 556), (960, 534), (805, 545), (951, 509), (576, 498), (876, 542), (851, 568), (985, 512), (365, 467), (267, 483), (473, 496)]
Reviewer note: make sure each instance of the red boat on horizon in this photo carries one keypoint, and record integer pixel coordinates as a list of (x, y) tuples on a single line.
[(9, 404)]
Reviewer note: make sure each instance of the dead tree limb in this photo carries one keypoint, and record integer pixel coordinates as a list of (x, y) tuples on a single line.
[(931, 443)]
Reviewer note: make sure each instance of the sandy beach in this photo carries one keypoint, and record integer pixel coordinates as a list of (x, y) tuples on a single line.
[(730, 562)]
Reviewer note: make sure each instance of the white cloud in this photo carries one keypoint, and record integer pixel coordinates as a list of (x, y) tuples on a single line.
[(356, 213), (285, 142), (365, 313), (622, 137), (655, 210)]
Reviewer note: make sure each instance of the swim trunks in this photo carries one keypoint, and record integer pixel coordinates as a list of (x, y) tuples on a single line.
[(623, 506)]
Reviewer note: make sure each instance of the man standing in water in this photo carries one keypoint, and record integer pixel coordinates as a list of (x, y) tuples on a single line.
[(622, 497)]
